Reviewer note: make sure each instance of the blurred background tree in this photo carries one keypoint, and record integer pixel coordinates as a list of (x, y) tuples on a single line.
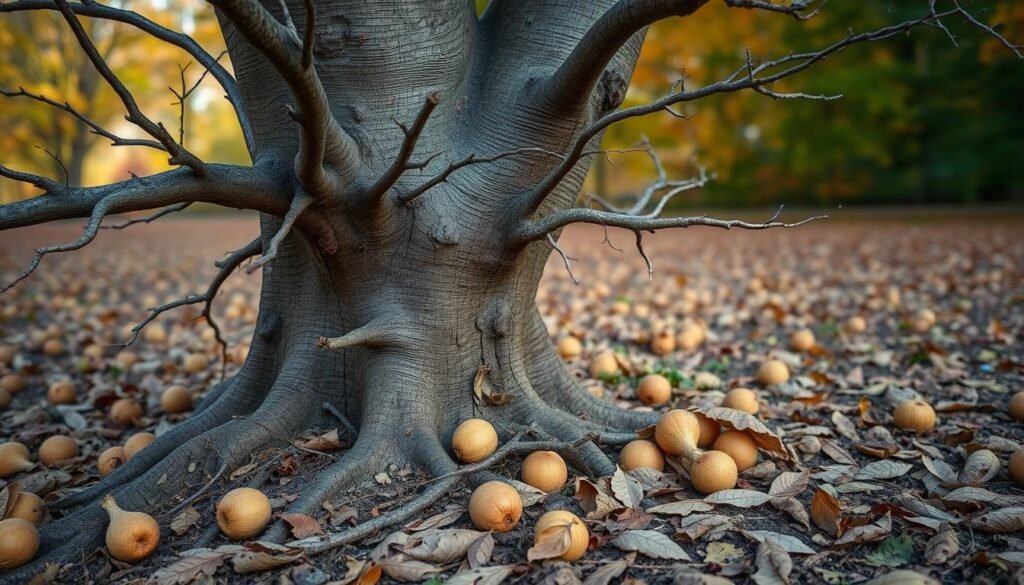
[(921, 121)]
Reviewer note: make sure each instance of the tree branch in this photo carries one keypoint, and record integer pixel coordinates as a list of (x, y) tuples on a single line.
[(93, 126), (537, 230), (225, 185), (35, 180), (149, 218), (179, 155), (327, 154), (573, 82), (226, 266), (180, 40), (300, 202), (796, 9), (756, 77), (401, 162)]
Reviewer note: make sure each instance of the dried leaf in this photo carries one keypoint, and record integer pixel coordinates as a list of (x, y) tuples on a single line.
[(884, 469), (552, 543), (845, 426), (939, 469), (867, 533), (683, 508), (650, 543), (441, 520), (942, 547), (257, 558), (484, 390), (403, 568), (609, 572), (981, 466), (328, 441), (481, 576), (441, 546), (480, 551), (794, 508), (790, 483), (302, 525), (192, 565), (741, 421), (773, 564), (695, 526), (738, 498), (626, 489), (894, 551), (595, 502), (826, 512), (722, 553), (790, 544), (1004, 520), (837, 453), (184, 520)]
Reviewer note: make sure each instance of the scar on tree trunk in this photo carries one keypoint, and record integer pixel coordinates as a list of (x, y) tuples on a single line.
[(410, 194)]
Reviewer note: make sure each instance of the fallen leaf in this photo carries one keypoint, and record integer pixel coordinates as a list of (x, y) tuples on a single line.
[(610, 571), (683, 508), (981, 466), (722, 553), (328, 441), (595, 502), (441, 546), (867, 533), (794, 508), (1003, 520), (626, 489), (650, 543), (552, 543), (885, 469), (942, 547), (441, 520), (481, 576), (741, 421), (480, 551), (894, 551), (790, 544), (738, 498), (191, 565), (184, 520), (695, 526), (402, 568), (773, 564), (789, 483), (826, 512), (259, 557), (302, 525)]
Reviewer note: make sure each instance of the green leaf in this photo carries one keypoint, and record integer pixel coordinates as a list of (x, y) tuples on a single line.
[(894, 551), (831, 577)]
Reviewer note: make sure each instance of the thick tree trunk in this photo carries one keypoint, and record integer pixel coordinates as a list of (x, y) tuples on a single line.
[(439, 281)]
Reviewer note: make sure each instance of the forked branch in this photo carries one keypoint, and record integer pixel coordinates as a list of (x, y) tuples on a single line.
[(180, 40), (748, 76), (401, 162), (327, 155), (226, 266), (179, 155)]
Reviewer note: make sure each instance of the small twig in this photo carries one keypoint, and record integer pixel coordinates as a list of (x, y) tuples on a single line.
[(643, 254), (349, 427), (199, 492), (149, 218), (565, 259), (63, 168), (300, 202)]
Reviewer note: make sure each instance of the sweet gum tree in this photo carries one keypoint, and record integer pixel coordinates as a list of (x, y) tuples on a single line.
[(413, 164)]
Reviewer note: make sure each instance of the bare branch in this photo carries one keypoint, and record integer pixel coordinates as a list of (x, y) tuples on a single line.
[(179, 155), (35, 180), (572, 83), (473, 159), (149, 218), (226, 266), (643, 254), (327, 154), (400, 164), (565, 259), (226, 185), (795, 9), (533, 231), (93, 126), (180, 40), (300, 202), (757, 76)]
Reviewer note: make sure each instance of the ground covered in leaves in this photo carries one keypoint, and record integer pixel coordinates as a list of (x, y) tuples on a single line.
[(839, 494)]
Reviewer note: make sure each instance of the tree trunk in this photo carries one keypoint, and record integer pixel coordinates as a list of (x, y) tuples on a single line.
[(439, 284)]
